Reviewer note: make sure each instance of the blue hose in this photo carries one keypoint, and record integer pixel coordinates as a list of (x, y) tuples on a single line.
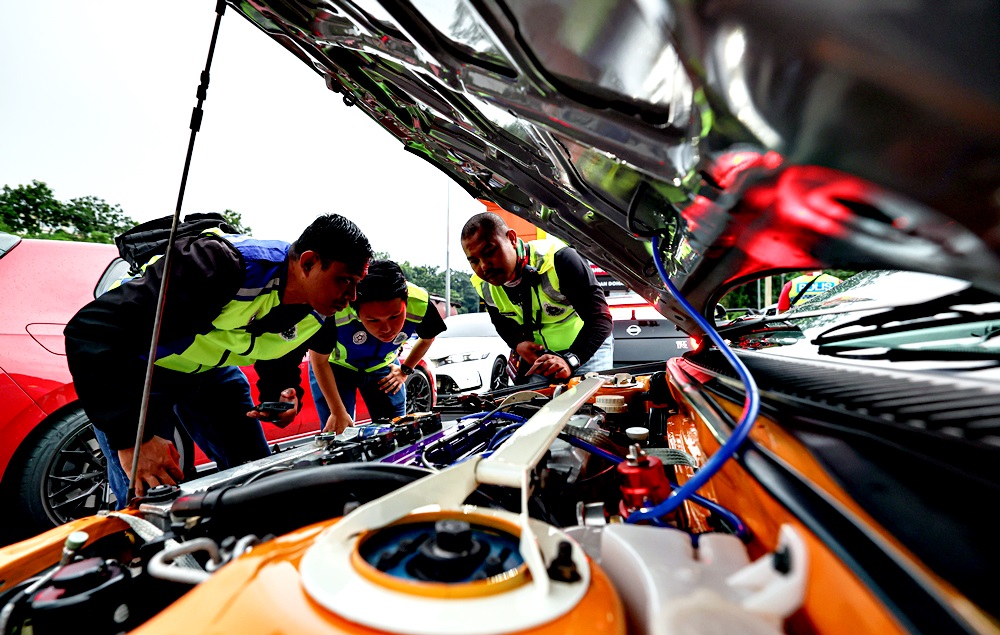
[(742, 430), (506, 416), (593, 449), (502, 435)]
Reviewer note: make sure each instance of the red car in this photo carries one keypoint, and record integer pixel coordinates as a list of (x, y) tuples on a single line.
[(51, 468)]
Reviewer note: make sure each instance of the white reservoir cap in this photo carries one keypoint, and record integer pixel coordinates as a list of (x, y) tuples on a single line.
[(637, 433), (610, 403)]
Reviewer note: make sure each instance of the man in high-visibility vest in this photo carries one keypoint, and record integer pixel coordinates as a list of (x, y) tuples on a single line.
[(232, 300), (805, 287), (366, 341), (543, 300)]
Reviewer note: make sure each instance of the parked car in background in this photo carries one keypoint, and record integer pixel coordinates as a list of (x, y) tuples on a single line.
[(642, 335), (51, 468), (469, 356), (441, 305), (421, 391)]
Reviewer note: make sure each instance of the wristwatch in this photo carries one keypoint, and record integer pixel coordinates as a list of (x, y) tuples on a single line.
[(406, 370), (571, 359)]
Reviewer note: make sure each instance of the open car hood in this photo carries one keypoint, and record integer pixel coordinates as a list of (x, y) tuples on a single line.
[(755, 137)]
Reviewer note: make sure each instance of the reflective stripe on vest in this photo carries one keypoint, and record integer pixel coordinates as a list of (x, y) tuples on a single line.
[(358, 349), (560, 322), (226, 342)]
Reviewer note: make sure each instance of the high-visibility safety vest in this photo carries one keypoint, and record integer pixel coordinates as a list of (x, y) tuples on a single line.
[(555, 323), (359, 350), (231, 339), (823, 283)]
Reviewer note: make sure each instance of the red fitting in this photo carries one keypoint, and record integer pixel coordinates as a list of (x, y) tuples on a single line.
[(643, 483)]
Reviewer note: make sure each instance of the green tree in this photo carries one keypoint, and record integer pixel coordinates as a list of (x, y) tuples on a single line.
[(33, 211), (236, 220), (433, 279)]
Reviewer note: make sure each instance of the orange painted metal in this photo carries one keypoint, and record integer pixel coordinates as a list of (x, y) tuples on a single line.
[(629, 392), (261, 592), (27, 558), (682, 434), (836, 600), (769, 434)]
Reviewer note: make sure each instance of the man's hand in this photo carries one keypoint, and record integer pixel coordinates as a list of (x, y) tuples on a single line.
[(286, 417), (550, 365), (392, 382), (158, 464), (337, 422), (529, 351)]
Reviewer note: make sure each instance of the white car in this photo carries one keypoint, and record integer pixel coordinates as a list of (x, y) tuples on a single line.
[(469, 356)]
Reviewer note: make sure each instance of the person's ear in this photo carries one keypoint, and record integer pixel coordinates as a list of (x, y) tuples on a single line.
[(308, 260), (512, 237)]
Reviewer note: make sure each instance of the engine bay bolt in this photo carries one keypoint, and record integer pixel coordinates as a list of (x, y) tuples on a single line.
[(563, 569), (636, 456), (453, 536), (782, 560)]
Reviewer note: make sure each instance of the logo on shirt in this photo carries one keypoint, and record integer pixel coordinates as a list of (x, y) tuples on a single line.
[(290, 334), (360, 337), (552, 310), (400, 338)]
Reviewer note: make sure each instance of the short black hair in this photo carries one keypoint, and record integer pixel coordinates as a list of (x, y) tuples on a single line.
[(334, 239), (490, 223), (384, 281)]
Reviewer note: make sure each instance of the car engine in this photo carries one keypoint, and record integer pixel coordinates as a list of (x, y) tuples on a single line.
[(510, 518)]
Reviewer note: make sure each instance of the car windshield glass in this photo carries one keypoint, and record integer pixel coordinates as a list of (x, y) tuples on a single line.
[(874, 312), (469, 326)]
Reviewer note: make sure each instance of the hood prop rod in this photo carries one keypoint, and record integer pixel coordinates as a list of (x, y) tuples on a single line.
[(196, 115)]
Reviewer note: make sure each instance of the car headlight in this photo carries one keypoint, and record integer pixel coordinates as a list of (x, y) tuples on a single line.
[(461, 357)]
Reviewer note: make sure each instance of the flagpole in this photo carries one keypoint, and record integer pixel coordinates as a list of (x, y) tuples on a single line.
[(447, 248)]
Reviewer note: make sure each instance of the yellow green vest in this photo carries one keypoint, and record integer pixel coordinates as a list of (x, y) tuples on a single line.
[(556, 323), (231, 340)]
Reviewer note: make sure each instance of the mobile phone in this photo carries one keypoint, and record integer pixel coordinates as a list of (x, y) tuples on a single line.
[(273, 409)]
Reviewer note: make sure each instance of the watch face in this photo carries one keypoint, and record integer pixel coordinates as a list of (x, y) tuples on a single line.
[(405, 369), (572, 359)]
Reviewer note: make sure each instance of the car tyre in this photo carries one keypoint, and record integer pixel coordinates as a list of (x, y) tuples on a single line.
[(419, 396), (61, 474), (58, 475), (498, 375)]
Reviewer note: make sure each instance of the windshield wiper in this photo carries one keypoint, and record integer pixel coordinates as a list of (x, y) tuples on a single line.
[(912, 317)]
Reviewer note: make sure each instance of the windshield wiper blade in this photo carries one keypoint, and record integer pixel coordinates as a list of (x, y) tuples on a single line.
[(912, 317), (946, 354)]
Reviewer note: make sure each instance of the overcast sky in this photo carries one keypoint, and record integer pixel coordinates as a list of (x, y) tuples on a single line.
[(95, 99)]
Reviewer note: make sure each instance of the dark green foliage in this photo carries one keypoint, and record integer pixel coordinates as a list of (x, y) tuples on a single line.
[(32, 211), (745, 296), (236, 220), (432, 279)]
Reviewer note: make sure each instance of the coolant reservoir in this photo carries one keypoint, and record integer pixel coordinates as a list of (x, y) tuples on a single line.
[(672, 587)]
